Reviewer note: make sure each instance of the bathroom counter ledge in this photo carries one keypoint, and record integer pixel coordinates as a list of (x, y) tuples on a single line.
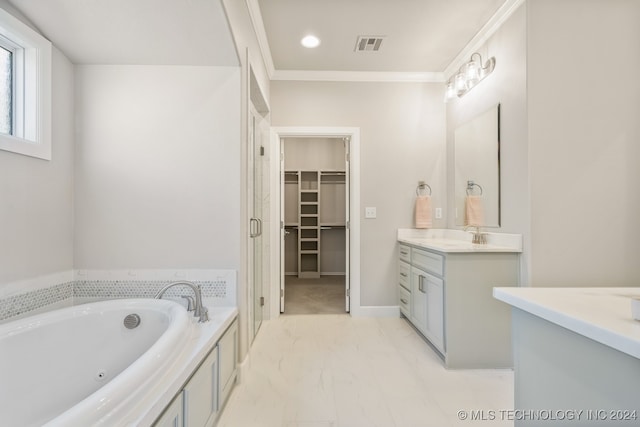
[(458, 241), (454, 246), (600, 314)]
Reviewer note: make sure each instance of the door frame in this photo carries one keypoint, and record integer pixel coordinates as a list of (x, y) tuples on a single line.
[(353, 135)]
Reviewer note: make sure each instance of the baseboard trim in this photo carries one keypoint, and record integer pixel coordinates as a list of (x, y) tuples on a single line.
[(377, 311)]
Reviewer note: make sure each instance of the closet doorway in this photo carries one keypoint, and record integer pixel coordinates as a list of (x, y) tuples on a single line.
[(315, 217)]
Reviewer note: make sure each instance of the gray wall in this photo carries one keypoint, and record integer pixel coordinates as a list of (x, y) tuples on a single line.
[(507, 85), (157, 170), (584, 134), (402, 141), (36, 196)]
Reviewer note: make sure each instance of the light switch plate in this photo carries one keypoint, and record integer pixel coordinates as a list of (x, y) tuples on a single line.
[(370, 212), (438, 213)]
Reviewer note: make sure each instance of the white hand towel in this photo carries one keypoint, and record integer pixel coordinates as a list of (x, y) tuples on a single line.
[(474, 211), (423, 212)]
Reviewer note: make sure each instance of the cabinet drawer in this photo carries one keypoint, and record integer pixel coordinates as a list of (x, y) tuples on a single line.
[(404, 253), (428, 261), (404, 278), (404, 301)]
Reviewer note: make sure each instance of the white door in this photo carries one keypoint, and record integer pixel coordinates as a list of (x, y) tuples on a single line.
[(283, 231), (347, 174), (256, 152)]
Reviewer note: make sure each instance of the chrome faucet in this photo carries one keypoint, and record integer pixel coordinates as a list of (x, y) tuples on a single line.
[(479, 238), (199, 311)]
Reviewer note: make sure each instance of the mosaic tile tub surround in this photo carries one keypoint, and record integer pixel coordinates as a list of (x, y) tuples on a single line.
[(219, 291)]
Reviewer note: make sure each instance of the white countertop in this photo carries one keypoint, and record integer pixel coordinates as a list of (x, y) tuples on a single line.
[(601, 314), (458, 241)]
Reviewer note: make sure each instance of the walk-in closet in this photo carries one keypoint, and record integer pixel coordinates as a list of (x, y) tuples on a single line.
[(315, 185)]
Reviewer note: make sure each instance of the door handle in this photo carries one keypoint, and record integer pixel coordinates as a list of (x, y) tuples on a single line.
[(253, 227), (259, 226), (420, 283)]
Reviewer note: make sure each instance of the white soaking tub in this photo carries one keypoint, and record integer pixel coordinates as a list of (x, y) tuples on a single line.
[(81, 366)]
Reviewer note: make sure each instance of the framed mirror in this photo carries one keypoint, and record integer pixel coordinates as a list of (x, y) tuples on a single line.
[(477, 170)]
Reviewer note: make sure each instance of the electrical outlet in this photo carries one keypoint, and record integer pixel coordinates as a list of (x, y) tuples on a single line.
[(438, 213), (370, 212)]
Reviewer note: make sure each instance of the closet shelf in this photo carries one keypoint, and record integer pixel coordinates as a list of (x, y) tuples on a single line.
[(316, 205)]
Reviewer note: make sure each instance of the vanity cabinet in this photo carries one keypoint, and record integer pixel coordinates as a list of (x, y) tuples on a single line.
[(427, 304), (448, 298), (173, 415), (200, 395), (227, 356), (207, 390)]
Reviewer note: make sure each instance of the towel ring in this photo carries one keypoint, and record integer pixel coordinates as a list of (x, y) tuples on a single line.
[(421, 186), (470, 185)]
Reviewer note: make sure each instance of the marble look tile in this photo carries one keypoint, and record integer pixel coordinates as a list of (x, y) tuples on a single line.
[(338, 371)]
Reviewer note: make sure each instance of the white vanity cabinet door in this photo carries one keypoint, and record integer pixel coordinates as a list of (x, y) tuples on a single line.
[(435, 311), (404, 253), (172, 416), (200, 395), (404, 301), (228, 356), (427, 306), (419, 299), (404, 275)]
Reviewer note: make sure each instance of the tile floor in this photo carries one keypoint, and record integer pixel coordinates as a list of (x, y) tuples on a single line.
[(314, 296), (339, 371)]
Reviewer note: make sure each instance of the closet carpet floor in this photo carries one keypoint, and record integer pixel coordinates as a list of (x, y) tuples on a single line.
[(314, 296), (343, 371)]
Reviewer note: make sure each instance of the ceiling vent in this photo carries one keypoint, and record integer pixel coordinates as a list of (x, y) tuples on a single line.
[(369, 43)]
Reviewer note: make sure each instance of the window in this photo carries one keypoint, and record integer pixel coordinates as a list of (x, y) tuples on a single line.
[(6, 89), (25, 89)]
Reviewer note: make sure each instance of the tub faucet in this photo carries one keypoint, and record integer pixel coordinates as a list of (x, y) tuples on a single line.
[(200, 311)]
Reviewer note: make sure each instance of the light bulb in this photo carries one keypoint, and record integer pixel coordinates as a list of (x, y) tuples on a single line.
[(310, 41), (450, 93), (472, 74), (460, 84)]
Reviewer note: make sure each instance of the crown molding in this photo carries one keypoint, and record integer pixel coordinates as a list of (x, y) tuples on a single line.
[(488, 30), (261, 35), (494, 23), (357, 76)]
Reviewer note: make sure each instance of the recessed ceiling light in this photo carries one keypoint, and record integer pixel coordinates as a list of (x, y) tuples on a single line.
[(310, 41)]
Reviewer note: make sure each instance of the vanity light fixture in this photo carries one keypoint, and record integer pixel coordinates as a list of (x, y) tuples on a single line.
[(310, 41), (468, 76)]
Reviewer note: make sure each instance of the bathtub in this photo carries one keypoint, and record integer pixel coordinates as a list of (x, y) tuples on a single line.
[(81, 366)]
